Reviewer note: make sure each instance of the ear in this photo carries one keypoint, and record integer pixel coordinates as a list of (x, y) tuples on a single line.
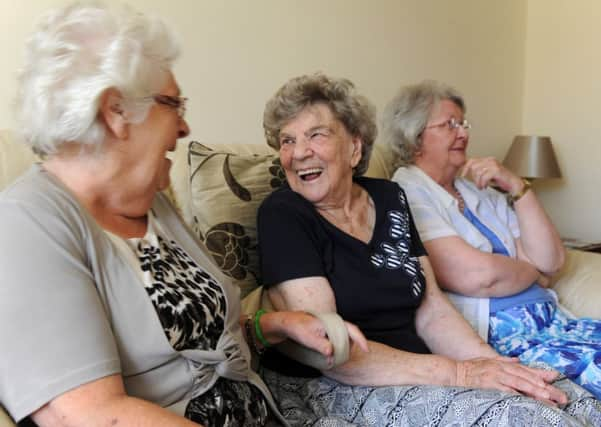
[(112, 114), (357, 152)]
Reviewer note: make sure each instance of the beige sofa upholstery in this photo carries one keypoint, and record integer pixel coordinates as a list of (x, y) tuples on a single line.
[(577, 283)]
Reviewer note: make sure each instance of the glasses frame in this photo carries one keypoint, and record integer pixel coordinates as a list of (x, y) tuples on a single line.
[(178, 103), (452, 124)]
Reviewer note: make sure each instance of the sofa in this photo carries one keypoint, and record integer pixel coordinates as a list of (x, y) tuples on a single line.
[(217, 188)]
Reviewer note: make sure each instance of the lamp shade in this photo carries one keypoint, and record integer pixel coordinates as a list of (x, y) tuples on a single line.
[(532, 157)]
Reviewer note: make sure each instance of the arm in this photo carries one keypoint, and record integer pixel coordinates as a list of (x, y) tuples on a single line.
[(539, 241), (437, 316), (463, 269), (384, 365), (103, 402), (379, 366)]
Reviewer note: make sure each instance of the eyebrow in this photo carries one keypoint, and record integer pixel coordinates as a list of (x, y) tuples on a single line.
[(311, 129)]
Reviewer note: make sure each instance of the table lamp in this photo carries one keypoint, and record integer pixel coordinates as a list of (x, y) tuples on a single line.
[(532, 157)]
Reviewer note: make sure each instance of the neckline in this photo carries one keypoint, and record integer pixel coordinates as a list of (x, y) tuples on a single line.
[(377, 215)]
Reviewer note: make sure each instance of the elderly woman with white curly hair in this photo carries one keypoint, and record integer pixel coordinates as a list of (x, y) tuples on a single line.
[(111, 312)]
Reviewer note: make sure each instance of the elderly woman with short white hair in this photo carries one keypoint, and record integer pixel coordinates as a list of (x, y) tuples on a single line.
[(111, 312)]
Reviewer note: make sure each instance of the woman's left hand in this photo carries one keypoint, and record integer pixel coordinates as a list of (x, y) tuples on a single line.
[(305, 329), (488, 171)]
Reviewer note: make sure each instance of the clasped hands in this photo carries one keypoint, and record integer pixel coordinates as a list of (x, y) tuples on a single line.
[(507, 374)]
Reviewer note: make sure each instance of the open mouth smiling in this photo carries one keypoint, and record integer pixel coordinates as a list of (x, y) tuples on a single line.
[(309, 174)]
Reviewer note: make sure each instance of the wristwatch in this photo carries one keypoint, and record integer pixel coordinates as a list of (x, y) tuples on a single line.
[(515, 197)]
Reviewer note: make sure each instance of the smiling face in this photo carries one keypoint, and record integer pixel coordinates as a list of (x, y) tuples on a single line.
[(443, 150), (318, 155), (152, 139)]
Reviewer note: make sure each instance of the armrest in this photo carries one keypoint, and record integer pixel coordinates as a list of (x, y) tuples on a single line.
[(578, 283)]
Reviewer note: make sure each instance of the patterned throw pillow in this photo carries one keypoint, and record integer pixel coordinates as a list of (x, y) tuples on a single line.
[(226, 191)]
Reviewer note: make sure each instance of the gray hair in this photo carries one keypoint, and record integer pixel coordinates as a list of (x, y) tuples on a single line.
[(74, 56), (354, 111), (407, 114)]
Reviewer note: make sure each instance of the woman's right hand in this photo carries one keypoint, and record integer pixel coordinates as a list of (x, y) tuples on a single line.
[(508, 375)]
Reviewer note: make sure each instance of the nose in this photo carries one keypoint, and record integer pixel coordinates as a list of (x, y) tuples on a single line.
[(463, 132), (302, 149), (183, 130)]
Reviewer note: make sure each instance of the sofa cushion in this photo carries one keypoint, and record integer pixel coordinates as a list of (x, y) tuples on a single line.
[(227, 188), (577, 283)]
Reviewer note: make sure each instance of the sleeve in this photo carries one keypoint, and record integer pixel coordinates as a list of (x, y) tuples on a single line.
[(54, 330), (417, 246), (429, 217), (289, 243)]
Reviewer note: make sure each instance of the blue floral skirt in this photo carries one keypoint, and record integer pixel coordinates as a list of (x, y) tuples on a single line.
[(321, 402), (542, 333)]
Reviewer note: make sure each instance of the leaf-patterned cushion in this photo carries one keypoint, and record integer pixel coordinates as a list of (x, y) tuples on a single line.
[(226, 191)]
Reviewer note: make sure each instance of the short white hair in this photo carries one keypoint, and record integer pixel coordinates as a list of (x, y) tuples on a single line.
[(74, 56)]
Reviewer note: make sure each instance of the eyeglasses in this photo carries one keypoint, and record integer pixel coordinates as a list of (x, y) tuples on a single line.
[(176, 102), (452, 124)]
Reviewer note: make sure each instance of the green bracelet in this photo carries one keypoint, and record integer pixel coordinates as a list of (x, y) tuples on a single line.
[(258, 331)]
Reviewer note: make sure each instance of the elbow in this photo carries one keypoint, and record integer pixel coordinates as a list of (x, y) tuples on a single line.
[(555, 261), (560, 260), (473, 284)]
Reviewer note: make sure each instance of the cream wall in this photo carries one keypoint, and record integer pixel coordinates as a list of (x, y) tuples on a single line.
[(237, 52), (562, 98)]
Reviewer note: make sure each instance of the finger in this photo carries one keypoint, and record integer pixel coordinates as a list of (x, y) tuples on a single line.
[(322, 345), (508, 359), (521, 379), (313, 335), (357, 336), (467, 167), (488, 176), (546, 375)]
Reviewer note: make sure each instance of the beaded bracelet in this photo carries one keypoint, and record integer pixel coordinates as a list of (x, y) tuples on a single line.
[(258, 331), (250, 337)]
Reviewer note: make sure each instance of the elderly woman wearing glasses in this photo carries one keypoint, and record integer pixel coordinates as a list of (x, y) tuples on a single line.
[(494, 256), (332, 240), (110, 310)]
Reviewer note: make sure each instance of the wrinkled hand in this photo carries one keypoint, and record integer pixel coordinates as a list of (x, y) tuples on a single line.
[(508, 375), (488, 171), (308, 330)]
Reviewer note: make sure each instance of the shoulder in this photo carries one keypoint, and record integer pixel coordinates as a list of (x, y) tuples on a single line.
[(284, 198), (38, 197), (419, 187), (377, 184)]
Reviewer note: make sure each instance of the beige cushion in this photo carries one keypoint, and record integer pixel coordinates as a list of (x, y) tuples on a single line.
[(380, 162), (15, 158), (227, 188), (5, 420), (578, 283)]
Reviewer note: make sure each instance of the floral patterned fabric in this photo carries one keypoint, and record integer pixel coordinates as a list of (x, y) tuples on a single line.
[(191, 307), (541, 332), (325, 402), (226, 190)]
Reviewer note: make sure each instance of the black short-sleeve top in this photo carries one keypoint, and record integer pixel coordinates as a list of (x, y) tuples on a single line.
[(377, 285)]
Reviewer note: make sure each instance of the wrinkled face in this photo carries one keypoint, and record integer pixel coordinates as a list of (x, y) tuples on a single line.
[(443, 149), (152, 139), (318, 155)]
